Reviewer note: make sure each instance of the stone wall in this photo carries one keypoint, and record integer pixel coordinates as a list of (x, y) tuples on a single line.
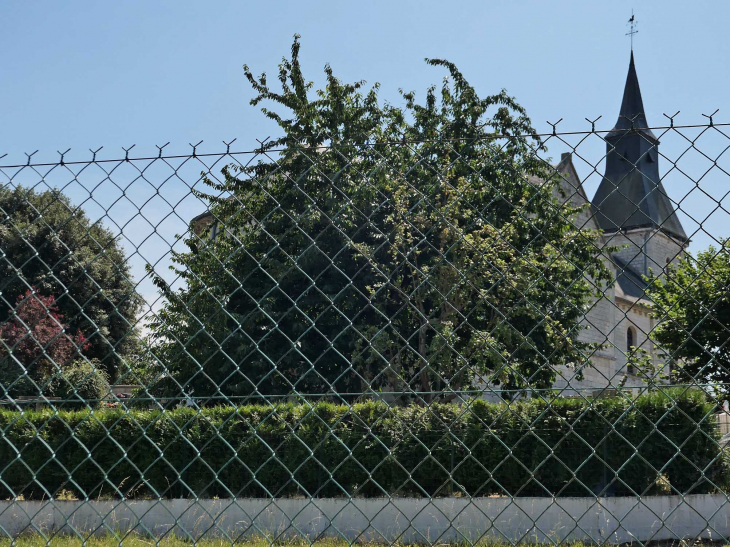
[(645, 250)]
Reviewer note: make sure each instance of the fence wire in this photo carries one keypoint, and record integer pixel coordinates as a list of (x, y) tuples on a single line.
[(413, 341)]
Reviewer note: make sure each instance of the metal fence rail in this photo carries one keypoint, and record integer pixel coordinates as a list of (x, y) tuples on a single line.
[(412, 340)]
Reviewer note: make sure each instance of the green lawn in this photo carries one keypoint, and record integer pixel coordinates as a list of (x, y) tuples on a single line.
[(36, 540), (139, 541)]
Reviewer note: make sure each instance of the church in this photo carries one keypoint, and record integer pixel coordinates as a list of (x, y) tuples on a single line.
[(635, 214)]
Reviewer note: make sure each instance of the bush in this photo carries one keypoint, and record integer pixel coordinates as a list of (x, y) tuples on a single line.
[(80, 384), (35, 344), (528, 448)]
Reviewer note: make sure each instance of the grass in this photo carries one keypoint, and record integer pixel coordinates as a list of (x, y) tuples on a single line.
[(140, 541), (132, 540)]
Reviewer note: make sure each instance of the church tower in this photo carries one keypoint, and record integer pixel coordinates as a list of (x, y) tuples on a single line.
[(631, 205)]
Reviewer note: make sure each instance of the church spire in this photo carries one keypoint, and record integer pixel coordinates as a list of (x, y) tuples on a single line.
[(632, 113), (631, 195)]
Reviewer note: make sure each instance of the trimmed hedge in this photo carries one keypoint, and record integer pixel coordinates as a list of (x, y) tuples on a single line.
[(528, 448)]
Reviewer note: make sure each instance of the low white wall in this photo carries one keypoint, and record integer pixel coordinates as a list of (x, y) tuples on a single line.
[(612, 520)]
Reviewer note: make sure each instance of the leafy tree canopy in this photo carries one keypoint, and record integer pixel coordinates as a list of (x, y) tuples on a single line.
[(692, 303), (49, 244), (417, 249)]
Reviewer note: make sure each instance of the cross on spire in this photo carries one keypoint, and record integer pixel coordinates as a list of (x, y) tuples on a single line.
[(632, 22)]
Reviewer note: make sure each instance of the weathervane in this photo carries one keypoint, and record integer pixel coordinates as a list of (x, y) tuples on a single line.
[(633, 30)]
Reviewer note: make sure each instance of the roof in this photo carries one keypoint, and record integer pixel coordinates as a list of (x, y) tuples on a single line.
[(635, 201), (628, 281), (205, 214), (632, 115), (631, 194), (569, 180), (570, 176)]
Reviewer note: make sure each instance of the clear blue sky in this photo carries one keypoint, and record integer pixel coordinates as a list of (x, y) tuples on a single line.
[(83, 74)]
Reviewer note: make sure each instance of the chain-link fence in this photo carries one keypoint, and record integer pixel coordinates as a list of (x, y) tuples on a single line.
[(401, 341)]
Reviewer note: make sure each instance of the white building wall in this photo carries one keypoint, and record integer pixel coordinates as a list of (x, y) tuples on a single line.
[(597, 369), (637, 317)]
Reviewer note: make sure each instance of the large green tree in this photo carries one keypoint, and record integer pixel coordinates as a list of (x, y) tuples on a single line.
[(692, 305), (412, 249), (49, 244)]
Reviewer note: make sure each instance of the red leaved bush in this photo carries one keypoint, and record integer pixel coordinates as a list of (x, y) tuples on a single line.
[(36, 335)]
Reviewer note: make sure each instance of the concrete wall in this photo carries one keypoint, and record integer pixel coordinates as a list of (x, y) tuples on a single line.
[(609, 520)]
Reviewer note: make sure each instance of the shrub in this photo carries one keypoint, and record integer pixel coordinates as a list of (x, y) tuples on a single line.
[(34, 345), (79, 384), (529, 448)]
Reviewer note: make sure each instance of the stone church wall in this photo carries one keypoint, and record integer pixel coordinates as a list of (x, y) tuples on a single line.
[(642, 255)]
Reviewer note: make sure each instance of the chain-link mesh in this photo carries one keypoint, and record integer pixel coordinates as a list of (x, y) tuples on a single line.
[(409, 341)]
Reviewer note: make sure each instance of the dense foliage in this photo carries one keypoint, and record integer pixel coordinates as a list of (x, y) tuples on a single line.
[(40, 356), (692, 303), (35, 345), (527, 449), (376, 248), (50, 244), (80, 384)]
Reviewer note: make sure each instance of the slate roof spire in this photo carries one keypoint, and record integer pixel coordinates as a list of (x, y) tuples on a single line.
[(631, 194), (632, 107)]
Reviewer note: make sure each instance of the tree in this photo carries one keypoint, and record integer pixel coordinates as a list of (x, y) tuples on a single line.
[(51, 245), (372, 247), (692, 305), (34, 345)]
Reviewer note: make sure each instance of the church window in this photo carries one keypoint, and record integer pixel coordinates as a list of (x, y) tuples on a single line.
[(630, 343)]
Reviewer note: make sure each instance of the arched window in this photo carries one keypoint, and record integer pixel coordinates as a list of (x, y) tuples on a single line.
[(630, 344)]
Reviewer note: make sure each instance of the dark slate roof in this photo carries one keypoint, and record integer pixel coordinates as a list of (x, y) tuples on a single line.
[(632, 113), (635, 201), (631, 194), (630, 283)]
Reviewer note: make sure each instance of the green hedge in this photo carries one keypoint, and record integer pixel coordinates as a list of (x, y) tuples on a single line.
[(528, 448)]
